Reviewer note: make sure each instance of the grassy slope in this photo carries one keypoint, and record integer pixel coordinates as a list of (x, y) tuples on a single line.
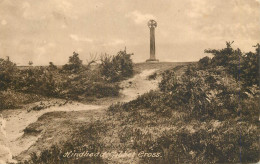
[(11, 99), (179, 137), (56, 128), (65, 123), (220, 134)]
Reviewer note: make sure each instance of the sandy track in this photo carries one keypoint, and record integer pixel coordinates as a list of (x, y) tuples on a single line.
[(17, 121), (138, 85)]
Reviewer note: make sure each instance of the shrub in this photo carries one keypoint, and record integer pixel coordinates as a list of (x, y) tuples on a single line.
[(101, 89), (204, 62), (153, 76), (75, 64), (116, 68), (206, 145), (52, 66), (250, 74), (243, 67), (168, 82), (36, 80), (7, 73), (10, 99)]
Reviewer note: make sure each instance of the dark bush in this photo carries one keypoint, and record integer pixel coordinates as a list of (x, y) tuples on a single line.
[(243, 67), (11, 99), (74, 64), (153, 76), (208, 145), (168, 82), (116, 68), (8, 72), (36, 80), (204, 62), (52, 66), (250, 70), (73, 81)]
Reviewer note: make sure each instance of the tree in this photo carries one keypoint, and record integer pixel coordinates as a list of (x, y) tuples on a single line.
[(74, 60), (74, 64)]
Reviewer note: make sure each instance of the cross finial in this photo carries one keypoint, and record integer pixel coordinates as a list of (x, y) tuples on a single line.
[(152, 23)]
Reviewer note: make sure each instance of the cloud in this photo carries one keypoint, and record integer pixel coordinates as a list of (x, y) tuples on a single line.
[(51, 44), (139, 17), (54, 8), (200, 8), (223, 20), (80, 39), (26, 5), (3, 22), (64, 26), (99, 5), (114, 42)]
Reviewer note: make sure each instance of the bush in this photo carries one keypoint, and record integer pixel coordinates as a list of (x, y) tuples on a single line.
[(74, 65), (153, 76), (86, 83), (101, 89), (206, 145), (7, 74), (52, 66), (116, 68), (243, 67), (168, 82), (204, 62), (36, 80), (10, 99), (73, 81), (250, 74)]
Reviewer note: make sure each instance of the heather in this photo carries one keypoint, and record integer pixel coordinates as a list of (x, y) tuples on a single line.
[(72, 81), (209, 114), (204, 112)]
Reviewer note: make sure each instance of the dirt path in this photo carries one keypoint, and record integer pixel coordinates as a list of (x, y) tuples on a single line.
[(17, 121), (138, 85), (11, 141)]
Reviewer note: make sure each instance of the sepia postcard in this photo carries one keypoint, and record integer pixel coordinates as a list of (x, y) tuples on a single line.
[(129, 81)]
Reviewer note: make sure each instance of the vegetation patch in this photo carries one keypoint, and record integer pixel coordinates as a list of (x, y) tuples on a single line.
[(72, 81), (206, 112), (200, 116)]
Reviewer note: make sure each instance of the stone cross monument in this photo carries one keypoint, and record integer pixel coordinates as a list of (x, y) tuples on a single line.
[(152, 24)]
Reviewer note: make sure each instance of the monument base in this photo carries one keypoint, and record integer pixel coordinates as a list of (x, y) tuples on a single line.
[(152, 61)]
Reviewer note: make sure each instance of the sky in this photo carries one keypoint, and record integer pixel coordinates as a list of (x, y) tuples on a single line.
[(51, 30)]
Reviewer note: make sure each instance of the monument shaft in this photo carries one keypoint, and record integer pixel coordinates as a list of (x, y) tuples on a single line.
[(152, 44), (152, 24)]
